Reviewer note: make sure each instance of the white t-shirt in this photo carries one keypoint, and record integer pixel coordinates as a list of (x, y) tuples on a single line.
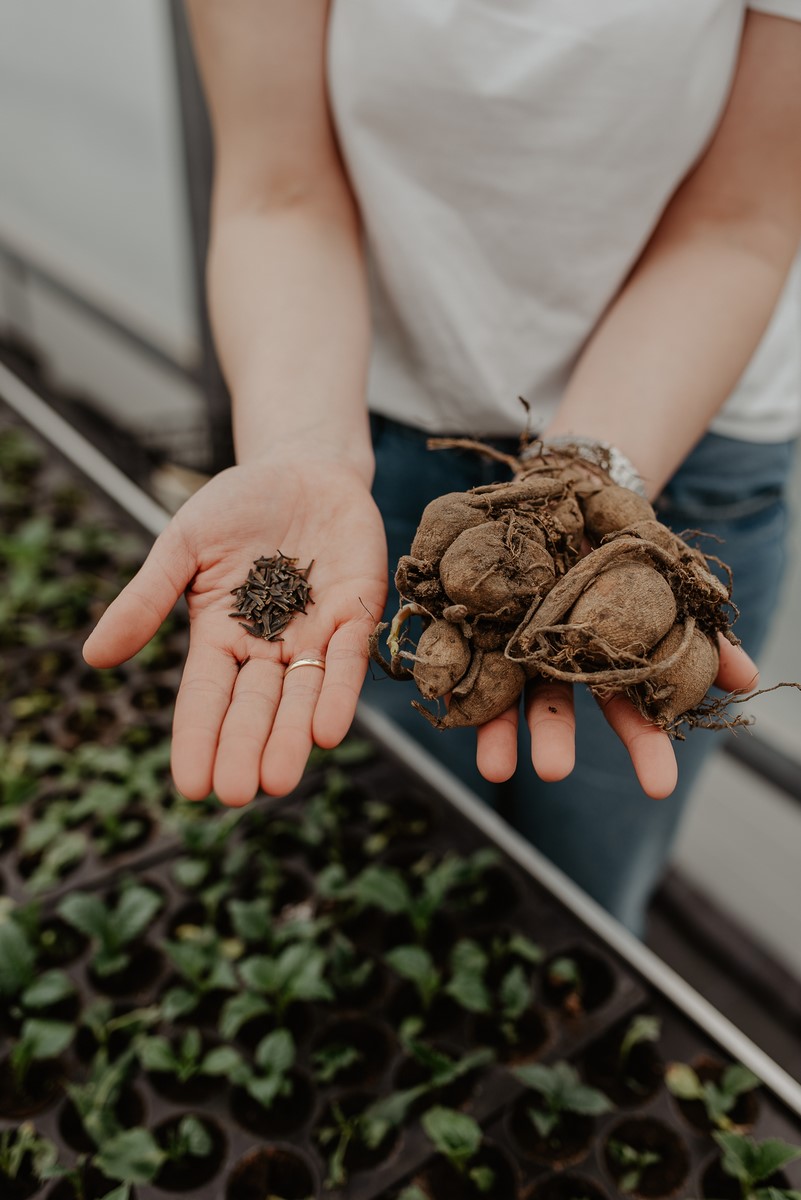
[(511, 159)]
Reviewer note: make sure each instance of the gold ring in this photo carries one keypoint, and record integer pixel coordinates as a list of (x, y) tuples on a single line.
[(305, 662)]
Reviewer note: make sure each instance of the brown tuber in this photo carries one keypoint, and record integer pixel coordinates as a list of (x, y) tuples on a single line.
[(490, 570), (626, 609), (441, 659), (496, 577)]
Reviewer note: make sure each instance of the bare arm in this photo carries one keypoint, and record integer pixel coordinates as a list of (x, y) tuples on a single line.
[(674, 342), (287, 285), (682, 330), (289, 309)]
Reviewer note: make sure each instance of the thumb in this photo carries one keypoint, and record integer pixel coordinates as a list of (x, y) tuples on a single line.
[(138, 612)]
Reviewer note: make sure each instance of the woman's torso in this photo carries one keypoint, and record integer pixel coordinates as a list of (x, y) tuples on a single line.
[(511, 159)]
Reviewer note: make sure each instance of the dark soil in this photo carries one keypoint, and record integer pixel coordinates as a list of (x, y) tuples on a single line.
[(597, 984), (443, 1016), (443, 1182), (184, 1174), (96, 1186), (567, 1187), (141, 973), (568, 1143), (410, 1073), (368, 1037), (287, 1114), (532, 1034), (43, 1083), (59, 943), (271, 1172), (23, 1186), (636, 1082), (662, 1178)]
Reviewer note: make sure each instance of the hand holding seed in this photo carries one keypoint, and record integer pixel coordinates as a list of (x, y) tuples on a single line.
[(241, 720)]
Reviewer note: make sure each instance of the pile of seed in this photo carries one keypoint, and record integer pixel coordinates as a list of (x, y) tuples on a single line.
[(273, 592)]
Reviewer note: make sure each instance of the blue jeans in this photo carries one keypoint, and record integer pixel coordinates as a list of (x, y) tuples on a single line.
[(598, 826)]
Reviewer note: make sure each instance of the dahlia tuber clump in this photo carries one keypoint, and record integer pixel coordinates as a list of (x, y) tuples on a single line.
[(558, 574)]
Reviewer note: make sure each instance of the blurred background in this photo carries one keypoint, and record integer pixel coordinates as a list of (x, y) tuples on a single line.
[(104, 178)]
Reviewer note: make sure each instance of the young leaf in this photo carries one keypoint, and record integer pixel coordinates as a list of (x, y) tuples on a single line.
[(382, 887), (416, 964), (515, 993), (682, 1082), (17, 959), (223, 1060), (455, 1134), (50, 988), (642, 1028), (133, 1156)]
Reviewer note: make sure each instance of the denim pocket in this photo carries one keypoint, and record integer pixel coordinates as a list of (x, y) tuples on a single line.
[(727, 481)]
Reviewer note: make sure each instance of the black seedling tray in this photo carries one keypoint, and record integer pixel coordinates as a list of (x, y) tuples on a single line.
[(514, 901)]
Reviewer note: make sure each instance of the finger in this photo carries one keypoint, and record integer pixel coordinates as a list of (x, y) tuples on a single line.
[(345, 667), (737, 672), (245, 729), (203, 699), (552, 723), (649, 748), (131, 620), (496, 747), (290, 741)]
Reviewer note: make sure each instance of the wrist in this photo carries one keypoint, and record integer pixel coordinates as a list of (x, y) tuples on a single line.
[(596, 453), (309, 448)]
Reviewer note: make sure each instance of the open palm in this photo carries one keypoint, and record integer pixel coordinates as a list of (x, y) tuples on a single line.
[(239, 723)]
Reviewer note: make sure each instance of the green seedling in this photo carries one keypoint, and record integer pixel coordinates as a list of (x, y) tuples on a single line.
[(633, 1163), (184, 1059), (561, 1092), (565, 972), (108, 807), (753, 1163), (330, 1061), (115, 928), (24, 1152), (96, 1099), (348, 970), (642, 1028), (126, 1027), (268, 1076), (204, 961), (459, 1138), (387, 889), (719, 1098), (210, 862), (369, 1128), (131, 1157), (440, 1068), (273, 983), (26, 989), (74, 1178), (388, 823), (415, 964), (52, 846), (189, 1139)]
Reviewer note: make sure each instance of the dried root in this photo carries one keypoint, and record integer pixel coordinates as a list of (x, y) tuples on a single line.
[(497, 578)]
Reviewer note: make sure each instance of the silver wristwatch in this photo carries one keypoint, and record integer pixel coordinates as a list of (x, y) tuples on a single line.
[(618, 467)]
